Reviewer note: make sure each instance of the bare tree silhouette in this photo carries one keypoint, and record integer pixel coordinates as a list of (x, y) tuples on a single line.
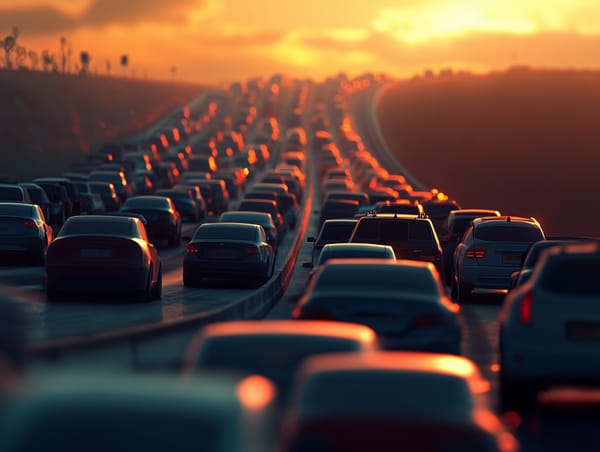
[(49, 62), (33, 57), (9, 43), (124, 62), (108, 67), (21, 56)]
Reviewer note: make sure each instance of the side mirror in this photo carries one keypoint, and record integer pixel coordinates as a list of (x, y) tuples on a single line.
[(307, 265), (310, 239)]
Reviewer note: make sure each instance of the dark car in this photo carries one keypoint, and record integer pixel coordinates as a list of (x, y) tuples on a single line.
[(163, 219), (184, 202), (268, 206), (38, 196), (69, 186), (117, 178), (23, 232), (216, 195), (14, 193), (261, 218), (438, 211), (331, 231), (361, 197), (107, 192), (103, 254), (202, 163), (237, 251), (235, 181), (61, 205), (402, 206), (338, 209), (412, 236)]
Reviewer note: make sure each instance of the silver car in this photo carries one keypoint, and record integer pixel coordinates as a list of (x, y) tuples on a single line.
[(490, 251)]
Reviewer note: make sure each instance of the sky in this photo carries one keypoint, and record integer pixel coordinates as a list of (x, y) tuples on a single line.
[(213, 41)]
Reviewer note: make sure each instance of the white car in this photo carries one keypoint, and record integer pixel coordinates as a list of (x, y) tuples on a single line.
[(550, 326), (490, 251)]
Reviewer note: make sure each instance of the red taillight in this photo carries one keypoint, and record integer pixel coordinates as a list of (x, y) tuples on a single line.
[(475, 253), (429, 320), (525, 310), (29, 224), (252, 250), (192, 249)]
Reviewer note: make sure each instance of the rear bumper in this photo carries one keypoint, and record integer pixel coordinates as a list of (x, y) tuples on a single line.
[(438, 341), (96, 279), (32, 246), (223, 269), (485, 277)]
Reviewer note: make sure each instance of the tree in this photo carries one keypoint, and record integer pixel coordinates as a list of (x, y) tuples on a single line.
[(9, 43), (49, 62), (84, 59), (21, 56), (108, 67), (65, 54), (124, 62), (33, 57)]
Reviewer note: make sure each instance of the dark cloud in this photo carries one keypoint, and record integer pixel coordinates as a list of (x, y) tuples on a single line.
[(48, 20)]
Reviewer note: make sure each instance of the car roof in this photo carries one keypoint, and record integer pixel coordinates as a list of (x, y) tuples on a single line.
[(358, 246), (228, 225), (505, 219), (247, 213), (471, 212)]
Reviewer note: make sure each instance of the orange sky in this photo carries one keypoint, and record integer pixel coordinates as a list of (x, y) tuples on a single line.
[(227, 40)]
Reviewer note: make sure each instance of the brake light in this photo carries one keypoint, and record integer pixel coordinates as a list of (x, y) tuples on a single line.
[(192, 249), (252, 250), (429, 320), (29, 224), (525, 310), (475, 253)]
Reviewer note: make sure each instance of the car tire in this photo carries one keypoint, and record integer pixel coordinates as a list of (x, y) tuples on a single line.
[(157, 289), (188, 281), (463, 293)]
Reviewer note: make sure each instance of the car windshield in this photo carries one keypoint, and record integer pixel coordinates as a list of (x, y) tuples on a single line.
[(337, 231), (98, 227), (16, 210), (146, 203), (10, 194), (460, 225), (36, 195)]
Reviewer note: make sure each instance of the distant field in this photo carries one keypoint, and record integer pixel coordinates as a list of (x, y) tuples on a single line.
[(48, 120), (524, 142)]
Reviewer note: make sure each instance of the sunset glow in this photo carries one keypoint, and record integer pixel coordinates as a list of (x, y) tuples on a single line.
[(213, 40)]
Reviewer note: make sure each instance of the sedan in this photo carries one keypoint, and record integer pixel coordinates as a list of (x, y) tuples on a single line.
[(228, 251), (391, 401), (332, 231), (403, 301), (550, 326), (260, 218), (103, 254), (24, 231), (272, 348), (184, 202), (163, 219)]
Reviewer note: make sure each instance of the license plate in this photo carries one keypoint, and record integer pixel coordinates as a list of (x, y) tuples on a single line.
[(583, 331), (224, 254), (512, 258), (96, 253)]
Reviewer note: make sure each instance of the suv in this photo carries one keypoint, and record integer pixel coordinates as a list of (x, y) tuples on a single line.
[(491, 249), (411, 236)]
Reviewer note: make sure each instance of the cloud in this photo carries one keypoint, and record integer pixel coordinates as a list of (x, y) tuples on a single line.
[(45, 19)]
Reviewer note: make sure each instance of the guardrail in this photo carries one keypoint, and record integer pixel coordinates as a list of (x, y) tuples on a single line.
[(162, 345)]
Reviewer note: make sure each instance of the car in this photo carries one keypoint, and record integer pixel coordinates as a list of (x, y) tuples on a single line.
[(271, 348), (390, 401), (238, 251), (331, 231), (378, 194), (412, 236), (107, 192), (490, 251), (14, 193), (205, 163), (38, 196), (456, 225), (163, 219), (61, 206), (261, 218), (361, 197), (123, 189), (23, 232), (352, 251), (402, 301), (267, 206), (74, 411), (402, 206), (98, 254), (438, 210), (338, 209), (550, 326), (69, 186), (184, 202), (532, 255), (215, 190), (90, 202)]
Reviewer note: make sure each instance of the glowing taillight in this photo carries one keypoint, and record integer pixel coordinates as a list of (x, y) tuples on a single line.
[(29, 224), (525, 310), (252, 250), (192, 249), (475, 253)]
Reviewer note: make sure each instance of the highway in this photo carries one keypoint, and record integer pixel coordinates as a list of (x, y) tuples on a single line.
[(542, 430)]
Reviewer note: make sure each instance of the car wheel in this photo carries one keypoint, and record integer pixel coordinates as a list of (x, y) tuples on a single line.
[(463, 293), (157, 289), (189, 281)]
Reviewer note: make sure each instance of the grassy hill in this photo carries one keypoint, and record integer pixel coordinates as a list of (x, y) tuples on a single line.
[(526, 142), (48, 120)]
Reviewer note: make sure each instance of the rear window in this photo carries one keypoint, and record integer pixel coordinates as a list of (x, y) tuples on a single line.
[(460, 225), (99, 227), (16, 210), (393, 231), (337, 231), (577, 276), (226, 233), (11, 194), (439, 210), (502, 233)]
